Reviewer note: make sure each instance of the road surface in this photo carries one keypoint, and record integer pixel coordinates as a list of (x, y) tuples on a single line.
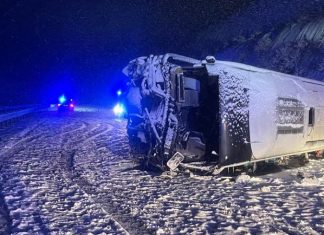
[(71, 173)]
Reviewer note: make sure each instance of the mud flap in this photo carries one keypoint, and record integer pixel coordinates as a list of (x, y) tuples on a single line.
[(175, 161)]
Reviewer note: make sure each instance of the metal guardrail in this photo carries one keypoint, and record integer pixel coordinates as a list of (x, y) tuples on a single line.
[(16, 107), (12, 112)]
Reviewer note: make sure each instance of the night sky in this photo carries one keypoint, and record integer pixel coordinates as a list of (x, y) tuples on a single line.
[(80, 47)]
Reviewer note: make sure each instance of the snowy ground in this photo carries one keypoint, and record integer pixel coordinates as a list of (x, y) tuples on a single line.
[(71, 174)]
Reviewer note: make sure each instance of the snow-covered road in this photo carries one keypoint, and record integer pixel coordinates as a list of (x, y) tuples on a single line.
[(71, 174)]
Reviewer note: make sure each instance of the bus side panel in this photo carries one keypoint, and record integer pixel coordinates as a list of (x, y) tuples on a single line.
[(234, 112)]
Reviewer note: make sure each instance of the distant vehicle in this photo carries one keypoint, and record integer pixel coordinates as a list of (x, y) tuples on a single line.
[(65, 104), (119, 109), (225, 113)]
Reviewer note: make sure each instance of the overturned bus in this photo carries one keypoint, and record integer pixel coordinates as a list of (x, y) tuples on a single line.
[(225, 114)]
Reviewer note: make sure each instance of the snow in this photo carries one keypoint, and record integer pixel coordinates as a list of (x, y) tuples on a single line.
[(311, 181), (277, 101), (233, 98), (312, 31), (265, 189), (242, 179), (72, 174)]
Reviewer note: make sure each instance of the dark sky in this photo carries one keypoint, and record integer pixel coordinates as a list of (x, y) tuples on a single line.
[(80, 47)]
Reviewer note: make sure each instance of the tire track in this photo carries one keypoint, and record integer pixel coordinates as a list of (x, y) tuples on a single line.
[(31, 182), (22, 138), (123, 220), (75, 176), (65, 167)]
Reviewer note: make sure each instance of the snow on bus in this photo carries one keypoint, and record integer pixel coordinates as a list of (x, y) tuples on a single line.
[(184, 110)]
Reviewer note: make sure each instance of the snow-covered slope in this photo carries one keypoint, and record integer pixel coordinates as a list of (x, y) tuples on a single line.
[(286, 36)]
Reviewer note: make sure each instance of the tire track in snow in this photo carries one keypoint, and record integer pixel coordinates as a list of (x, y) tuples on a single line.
[(34, 186), (65, 168), (77, 191), (66, 164), (125, 223), (117, 148), (22, 137)]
